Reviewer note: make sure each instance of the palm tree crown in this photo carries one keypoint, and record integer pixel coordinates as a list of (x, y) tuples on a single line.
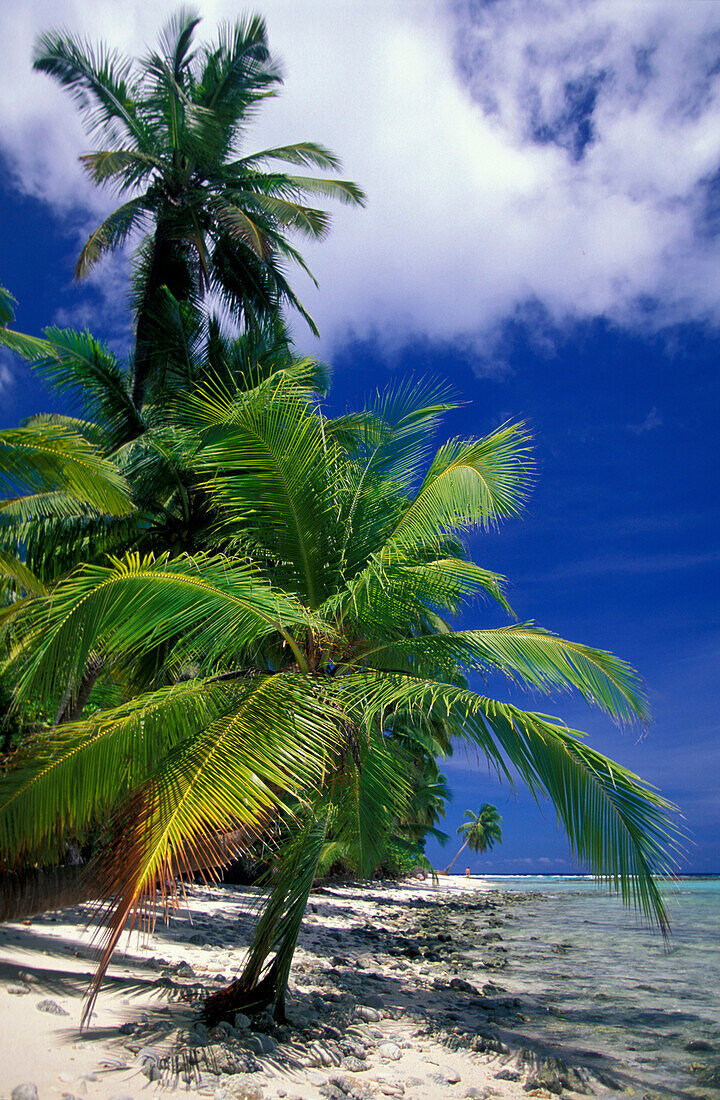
[(480, 831), (172, 126)]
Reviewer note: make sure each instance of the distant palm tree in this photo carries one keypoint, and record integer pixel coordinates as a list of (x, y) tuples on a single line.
[(171, 126), (481, 831)]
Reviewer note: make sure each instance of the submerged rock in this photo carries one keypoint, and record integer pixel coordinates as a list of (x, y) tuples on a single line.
[(699, 1045)]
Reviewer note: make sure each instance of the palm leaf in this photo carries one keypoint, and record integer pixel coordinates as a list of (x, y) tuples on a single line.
[(529, 655), (74, 775), (233, 776), (47, 458), (136, 604), (616, 825)]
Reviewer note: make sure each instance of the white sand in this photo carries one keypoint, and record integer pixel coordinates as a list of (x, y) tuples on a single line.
[(51, 959)]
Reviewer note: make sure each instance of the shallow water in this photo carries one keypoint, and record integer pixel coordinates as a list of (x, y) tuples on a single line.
[(604, 990)]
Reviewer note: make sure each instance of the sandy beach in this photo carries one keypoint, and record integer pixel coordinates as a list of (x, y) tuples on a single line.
[(377, 1004)]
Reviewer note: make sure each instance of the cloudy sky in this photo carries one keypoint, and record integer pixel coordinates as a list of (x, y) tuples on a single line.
[(543, 228)]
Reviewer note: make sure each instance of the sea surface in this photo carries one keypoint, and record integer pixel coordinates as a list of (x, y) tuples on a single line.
[(602, 984)]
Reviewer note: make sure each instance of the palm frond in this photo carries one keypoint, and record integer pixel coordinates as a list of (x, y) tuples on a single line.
[(73, 776), (47, 458), (233, 776), (305, 153), (616, 824), (112, 232), (137, 603), (98, 81), (22, 579), (529, 655)]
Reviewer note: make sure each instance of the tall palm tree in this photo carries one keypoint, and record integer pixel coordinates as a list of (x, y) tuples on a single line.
[(481, 831), (313, 640), (213, 216)]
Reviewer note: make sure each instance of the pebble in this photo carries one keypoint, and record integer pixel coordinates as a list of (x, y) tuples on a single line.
[(26, 1091), (354, 1065), (390, 1052), (368, 1013), (18, 990), (261, 1044), (345, 1084), (52, 1008)]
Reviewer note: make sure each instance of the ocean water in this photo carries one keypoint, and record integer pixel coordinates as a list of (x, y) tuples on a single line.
[(604, 990)]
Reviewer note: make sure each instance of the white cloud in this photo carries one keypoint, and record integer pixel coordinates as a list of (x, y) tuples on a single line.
[(468, 126), (7, 378), (654, 419)]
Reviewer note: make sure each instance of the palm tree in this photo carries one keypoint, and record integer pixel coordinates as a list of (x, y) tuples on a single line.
[(315, 642), (481, 831), (148, 446), (171, 127)]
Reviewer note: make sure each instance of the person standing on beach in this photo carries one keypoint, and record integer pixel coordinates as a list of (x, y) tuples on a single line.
[(467, 872)]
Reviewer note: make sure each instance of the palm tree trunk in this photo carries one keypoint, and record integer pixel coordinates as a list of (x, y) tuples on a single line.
[(263, 983), (167, 270), (73, 702), (457, 857), (29, 893)]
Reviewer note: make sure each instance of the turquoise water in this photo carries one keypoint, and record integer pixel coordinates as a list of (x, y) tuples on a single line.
[(603, 989)]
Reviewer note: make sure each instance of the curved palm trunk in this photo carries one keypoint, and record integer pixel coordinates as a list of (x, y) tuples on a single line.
[(263, 982), (30, 893), (457, 857), (74, 702)]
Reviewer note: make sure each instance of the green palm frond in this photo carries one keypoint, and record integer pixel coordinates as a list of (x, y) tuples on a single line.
[(112, 232), (616, 824), (77, 364), (75, 775), (22, 579), (137, 603), (233, 776), (130, 165), (305, 153), (7, 307), (531, 656), (47, 458), (98, 81), (269, 470), (469, 484)]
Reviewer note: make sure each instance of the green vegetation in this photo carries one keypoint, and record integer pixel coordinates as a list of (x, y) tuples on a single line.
[(481, 831), (235, 616)]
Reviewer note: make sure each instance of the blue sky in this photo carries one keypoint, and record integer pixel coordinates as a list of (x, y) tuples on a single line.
[(543, 232)]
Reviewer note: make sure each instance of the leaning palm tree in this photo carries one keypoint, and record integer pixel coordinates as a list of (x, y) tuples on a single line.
[(212, 216), (320, 642), (481, 831)]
